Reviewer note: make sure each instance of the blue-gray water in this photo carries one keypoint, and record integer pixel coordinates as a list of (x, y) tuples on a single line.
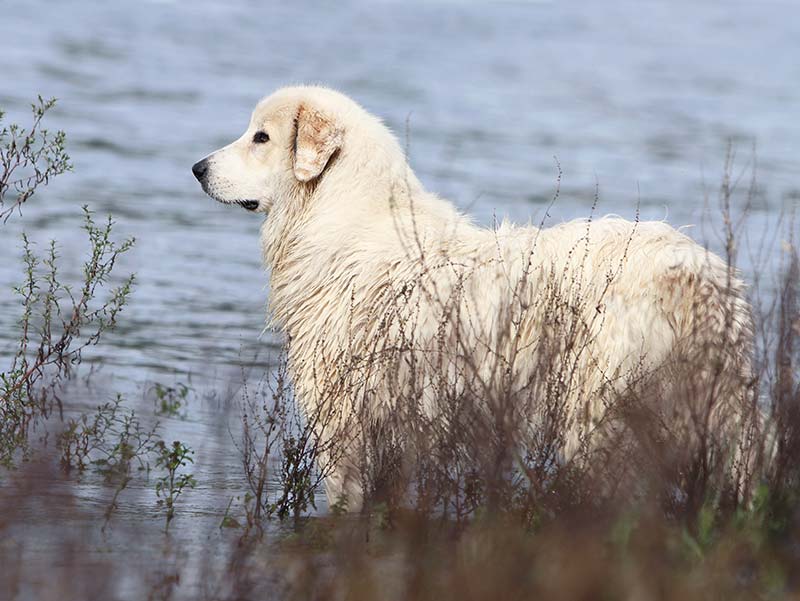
[(641, 97)]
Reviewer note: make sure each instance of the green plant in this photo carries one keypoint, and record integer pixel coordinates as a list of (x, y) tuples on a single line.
[(171, 485), (297, 477), (112, 440), (170, 400), (29, 158), (228, 521), (108, 438), (56, 325)]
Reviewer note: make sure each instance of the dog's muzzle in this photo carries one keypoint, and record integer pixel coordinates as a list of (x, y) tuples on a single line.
[(200, 170)]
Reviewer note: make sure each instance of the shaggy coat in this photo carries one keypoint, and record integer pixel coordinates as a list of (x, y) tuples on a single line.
[(386, 292)]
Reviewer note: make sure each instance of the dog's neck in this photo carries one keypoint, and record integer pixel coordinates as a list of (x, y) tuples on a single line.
[(328, 232)]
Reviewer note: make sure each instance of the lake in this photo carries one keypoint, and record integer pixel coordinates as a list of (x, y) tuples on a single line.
[(641, 99)]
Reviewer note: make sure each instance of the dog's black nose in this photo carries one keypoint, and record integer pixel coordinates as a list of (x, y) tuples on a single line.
[(199, 169)]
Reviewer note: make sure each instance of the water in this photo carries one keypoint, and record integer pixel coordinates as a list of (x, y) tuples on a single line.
[(640, 97)]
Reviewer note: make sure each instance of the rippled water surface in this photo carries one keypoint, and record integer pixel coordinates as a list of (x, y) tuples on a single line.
[(640, 97)]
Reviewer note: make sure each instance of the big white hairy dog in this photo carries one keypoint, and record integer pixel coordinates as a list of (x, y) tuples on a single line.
[(365, 263)]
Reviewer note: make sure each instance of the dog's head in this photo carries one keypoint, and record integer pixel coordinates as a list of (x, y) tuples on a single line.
[(291, 140)]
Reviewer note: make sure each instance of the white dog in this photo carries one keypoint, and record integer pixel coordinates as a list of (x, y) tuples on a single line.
[(364, 261)]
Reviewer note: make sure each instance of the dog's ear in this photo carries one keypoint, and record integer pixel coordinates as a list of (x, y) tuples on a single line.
[(317, 137)]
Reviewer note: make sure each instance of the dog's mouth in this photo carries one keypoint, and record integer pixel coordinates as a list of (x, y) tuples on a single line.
[(250, 205)]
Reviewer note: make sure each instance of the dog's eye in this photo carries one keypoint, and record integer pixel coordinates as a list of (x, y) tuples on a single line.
[(260, 137)]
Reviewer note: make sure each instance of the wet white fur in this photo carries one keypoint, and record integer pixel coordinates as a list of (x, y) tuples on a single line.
[(341, 251)]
